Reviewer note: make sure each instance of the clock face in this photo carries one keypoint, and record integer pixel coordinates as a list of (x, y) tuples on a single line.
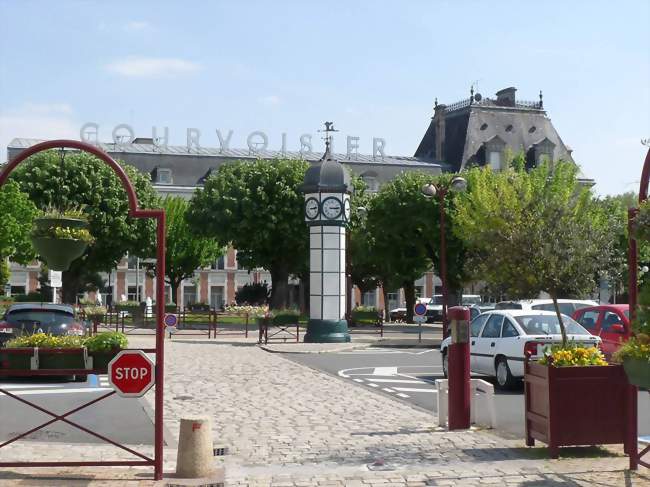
[(332, 207), (311, 208), (346, 209)]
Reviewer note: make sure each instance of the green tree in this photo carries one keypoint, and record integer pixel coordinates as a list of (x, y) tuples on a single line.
[(16, 215), (257, 207), (186, 251), (535, 231), (84, 181)]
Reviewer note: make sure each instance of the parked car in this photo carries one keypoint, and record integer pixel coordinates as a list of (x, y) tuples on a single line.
[(434, 306), (567, 306), (399, 314), (500, 340), (29, 318), (611, 322)]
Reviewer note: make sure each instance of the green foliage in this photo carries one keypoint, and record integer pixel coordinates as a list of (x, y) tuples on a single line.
[(106, 341), (250, 310), (4, 273), (535, 231), (254, 294), (43, 340), (257, 207), (128, 304), (94, 311), (285, 316), (642, 222), (186, 250), (572, 355), (87, 182), (31, 297), (54, 212), (64, 233), (16, 215)]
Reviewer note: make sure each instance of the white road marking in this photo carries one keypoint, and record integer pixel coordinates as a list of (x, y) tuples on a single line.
[(412, 389), (373, 385), (387, 371), (398, 381), (59, 391), (357, 380), (387, 389), (402, 395), (27, 386)]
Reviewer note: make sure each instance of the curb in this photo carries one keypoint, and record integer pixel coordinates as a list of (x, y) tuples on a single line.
[(271, 349)]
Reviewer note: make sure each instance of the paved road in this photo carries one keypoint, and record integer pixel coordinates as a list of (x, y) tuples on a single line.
[(409, 375), (121, 419)]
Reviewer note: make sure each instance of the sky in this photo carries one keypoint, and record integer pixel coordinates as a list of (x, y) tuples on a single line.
[(373, 67)]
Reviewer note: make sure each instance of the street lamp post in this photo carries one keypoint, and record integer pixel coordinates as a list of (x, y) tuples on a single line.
[(457, 184)]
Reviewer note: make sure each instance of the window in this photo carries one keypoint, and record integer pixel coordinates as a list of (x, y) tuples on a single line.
[(565, 308), (477, 324), (189, 295), (509, 330), (17, 290), (372, 186), (132, 293), (132, 262), (393, 300), (494, 159), (216, 297), (589, 319), (493, 327), (548, 325), (369, 298), (419, 292), (220, 264), (168, 294), (609, 320), (163, 176)]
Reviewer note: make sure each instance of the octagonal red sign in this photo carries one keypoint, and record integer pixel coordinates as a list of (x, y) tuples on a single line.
[(131, 373)]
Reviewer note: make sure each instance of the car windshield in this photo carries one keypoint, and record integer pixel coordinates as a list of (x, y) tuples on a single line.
[(437, 299), (549, 325), (40, 317)]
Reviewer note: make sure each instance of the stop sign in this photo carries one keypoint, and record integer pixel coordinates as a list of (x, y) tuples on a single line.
[(131, 373)]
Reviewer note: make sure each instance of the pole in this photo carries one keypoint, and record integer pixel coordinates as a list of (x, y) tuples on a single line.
[(459, 411), (160, 346), (443, 264)]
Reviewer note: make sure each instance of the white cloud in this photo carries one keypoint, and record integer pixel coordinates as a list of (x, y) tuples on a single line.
[(37, 121), (137, 26), (144, 67), (270, 100)]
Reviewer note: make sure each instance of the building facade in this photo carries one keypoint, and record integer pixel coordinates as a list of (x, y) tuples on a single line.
[(473, 132)]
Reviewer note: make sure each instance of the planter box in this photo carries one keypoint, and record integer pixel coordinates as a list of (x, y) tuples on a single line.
[(366, 318), (62, 358), (18, 359), (102, 358), (638, 372), (570, 406)]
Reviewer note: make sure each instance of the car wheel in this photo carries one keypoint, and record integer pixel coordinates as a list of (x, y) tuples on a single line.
[(505, 380), (445, 364)]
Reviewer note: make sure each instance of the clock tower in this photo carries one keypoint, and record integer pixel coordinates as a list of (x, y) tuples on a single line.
[(327, 190)]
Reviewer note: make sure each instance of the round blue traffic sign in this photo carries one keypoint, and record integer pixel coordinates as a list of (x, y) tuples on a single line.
[(171, 320), (420, 309)]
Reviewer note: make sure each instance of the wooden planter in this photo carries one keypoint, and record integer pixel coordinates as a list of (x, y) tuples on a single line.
[(570, 406), (102, 358), (62, 358), (638, 372), (17, 358)]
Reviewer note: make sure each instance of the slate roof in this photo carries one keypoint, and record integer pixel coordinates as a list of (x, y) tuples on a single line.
[(468, 126)]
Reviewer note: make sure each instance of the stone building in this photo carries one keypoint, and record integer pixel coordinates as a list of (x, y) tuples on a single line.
[(474, 131)]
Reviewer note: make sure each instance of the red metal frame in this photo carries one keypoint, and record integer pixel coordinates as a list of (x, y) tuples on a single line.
[(632, 263), (135, 212)]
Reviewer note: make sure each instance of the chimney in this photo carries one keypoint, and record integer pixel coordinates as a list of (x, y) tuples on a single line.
[(439, 126), (506, 97)]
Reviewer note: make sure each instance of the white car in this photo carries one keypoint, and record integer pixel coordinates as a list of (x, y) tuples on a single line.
[(500, 339), (567, 306)]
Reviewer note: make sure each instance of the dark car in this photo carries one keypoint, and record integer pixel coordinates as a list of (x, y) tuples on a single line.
[(29, 318)]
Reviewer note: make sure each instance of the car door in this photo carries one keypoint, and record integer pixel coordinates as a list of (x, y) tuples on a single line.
[(486, 344), (510, 346), (612, 332), (474, 332)]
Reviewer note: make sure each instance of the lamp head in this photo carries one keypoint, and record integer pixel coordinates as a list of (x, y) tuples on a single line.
[(429, 190), (458, 184)]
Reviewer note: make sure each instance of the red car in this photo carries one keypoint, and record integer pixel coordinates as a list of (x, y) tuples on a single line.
[(611, 322)]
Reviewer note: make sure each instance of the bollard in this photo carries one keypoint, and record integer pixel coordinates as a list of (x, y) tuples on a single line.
[(195, 454), (459, 369)]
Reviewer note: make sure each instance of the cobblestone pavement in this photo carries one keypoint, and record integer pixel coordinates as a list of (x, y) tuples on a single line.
[(287, 425)]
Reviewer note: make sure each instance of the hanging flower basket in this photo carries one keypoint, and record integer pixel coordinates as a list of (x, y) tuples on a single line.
[(60, 239), (638, 372)]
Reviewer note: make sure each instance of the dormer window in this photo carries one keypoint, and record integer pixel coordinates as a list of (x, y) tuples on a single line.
[(370, 178), (544, 151), (162, 175), (494, 152)]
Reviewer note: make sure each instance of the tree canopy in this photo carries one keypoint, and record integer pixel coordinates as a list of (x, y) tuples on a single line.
[(84, 181), (257, 207), (186, 251), (16, 215), (536, 231)]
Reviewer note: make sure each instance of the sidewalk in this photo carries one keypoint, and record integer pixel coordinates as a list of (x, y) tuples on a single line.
[(288, 425)]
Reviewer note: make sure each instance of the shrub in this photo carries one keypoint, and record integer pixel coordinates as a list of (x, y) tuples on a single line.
[(33, 296), (285, 316), (95, 310), (572, 356), (107, 341), (43, 340), (251, 310), (254, 294)]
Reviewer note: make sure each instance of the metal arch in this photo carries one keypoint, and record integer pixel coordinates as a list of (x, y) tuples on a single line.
[(136, 212)]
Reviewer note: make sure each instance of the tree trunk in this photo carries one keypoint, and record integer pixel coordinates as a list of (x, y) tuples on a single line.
[(455, 297), (565, 340), (409, 295), (279, 288), (72, 285)]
